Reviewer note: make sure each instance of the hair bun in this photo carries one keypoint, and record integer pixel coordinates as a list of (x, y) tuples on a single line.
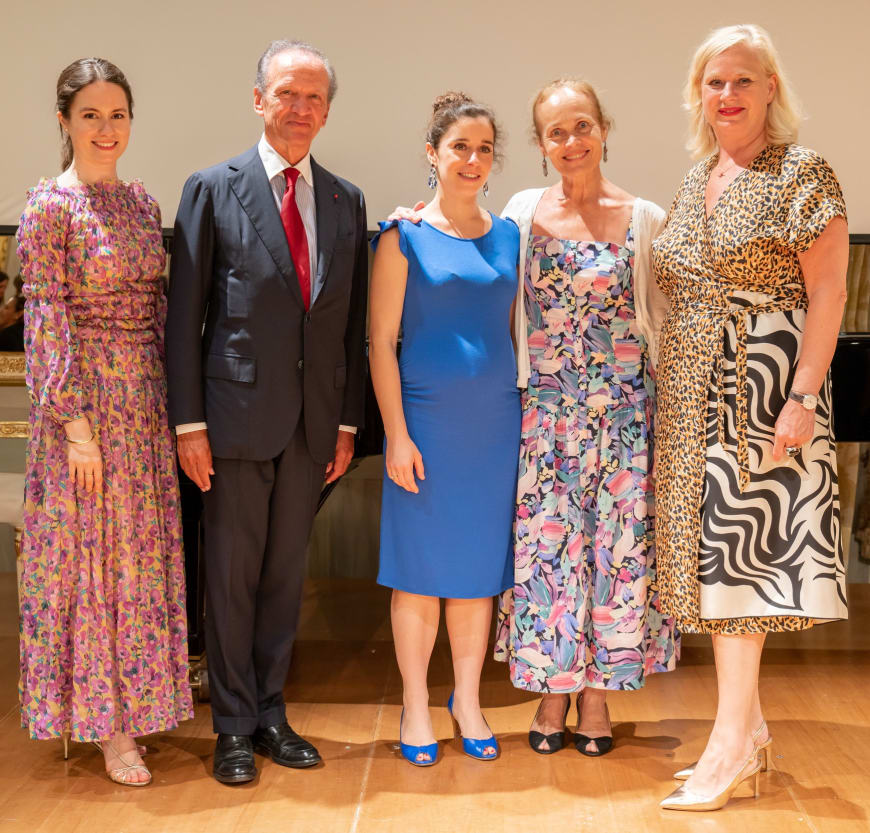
[(448, 108), (450, 99)]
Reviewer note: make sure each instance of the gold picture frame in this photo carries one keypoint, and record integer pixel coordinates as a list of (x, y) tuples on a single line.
[(12, 369)]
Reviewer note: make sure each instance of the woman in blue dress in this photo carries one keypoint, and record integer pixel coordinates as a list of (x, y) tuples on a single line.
[(451, 415)]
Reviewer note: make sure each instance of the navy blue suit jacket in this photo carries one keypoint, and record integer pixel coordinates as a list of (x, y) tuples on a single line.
[(242, 353)]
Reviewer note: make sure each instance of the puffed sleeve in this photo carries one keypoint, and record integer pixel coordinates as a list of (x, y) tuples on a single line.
[(815, 199), (50, 345)]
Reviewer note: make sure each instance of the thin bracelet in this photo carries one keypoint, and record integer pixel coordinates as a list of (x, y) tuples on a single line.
[(80, 442)]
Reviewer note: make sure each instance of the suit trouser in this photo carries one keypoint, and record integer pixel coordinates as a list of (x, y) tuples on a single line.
[(257, 518)]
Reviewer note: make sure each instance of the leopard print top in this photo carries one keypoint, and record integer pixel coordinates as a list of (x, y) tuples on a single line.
[(772, 211)]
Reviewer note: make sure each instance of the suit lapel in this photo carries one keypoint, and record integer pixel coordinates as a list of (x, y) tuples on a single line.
[(252, 188), (325, 191)]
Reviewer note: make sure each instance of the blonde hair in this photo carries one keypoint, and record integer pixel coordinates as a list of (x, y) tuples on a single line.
[(783, 113), (571, 83)]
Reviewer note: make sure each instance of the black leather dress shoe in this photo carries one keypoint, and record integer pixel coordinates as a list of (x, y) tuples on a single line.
[(234, 759), (285, 747)]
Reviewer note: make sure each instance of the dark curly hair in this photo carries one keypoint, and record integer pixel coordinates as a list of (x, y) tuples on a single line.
[(448, 108)]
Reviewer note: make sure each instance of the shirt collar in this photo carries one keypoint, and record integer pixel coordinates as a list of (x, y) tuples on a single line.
[(275, 164)]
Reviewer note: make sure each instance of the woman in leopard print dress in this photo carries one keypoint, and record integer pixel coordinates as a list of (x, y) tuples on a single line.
[(753, 259)]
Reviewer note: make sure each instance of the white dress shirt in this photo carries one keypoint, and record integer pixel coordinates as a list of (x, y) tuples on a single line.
[(275, 164)]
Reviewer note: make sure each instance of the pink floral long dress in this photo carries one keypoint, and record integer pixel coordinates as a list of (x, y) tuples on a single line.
[(103, 626)]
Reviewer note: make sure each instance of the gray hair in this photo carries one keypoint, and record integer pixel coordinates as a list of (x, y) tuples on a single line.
[(283, 45)]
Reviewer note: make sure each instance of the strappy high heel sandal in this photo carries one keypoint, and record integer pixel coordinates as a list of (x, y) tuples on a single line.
[(604, 743), (763, 749), (67, 736), (555, 740), (119, 774)]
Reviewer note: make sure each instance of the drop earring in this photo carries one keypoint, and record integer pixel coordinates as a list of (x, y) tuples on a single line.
[(604, 155), (432, 182), (544, 165), (486, 189)]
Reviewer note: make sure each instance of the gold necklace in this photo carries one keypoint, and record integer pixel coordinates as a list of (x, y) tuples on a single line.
[(724, 171)]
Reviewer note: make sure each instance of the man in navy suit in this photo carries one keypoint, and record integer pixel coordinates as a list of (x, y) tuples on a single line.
[(266, 362)]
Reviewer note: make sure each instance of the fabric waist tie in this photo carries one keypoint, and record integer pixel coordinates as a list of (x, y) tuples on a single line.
[(725, 310)]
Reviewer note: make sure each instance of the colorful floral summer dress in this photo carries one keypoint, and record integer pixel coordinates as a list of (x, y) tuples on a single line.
[(103, 624), (584, 609)]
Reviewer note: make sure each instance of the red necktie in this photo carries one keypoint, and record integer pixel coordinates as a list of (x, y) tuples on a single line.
[(296, 237)]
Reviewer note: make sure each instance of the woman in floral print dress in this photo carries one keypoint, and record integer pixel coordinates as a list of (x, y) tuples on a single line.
[(584, 614), (103, 624)]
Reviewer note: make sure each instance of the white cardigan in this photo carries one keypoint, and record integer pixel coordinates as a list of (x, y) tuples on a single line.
[(650, 303)]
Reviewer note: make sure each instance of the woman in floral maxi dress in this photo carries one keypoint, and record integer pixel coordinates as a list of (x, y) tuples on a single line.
[(584, 616), (103, 623)]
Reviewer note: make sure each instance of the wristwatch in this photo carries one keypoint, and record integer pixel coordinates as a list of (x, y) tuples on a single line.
[(806, 399)]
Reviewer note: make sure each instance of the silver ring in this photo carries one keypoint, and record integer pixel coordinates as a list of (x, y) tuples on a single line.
[(792, 450)]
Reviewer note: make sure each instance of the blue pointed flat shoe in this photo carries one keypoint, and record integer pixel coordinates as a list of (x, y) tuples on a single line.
[(418, 755), (481, 749)]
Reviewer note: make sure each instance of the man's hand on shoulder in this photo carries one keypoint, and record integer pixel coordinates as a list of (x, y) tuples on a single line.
[(343, 456), (194, 454)]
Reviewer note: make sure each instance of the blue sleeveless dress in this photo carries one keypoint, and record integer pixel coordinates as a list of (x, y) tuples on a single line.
[(458, 371)]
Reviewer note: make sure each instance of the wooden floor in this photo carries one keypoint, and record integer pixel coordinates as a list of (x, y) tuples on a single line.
[(344, 695)]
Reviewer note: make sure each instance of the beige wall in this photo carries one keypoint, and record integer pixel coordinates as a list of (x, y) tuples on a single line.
[(191, 65)]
